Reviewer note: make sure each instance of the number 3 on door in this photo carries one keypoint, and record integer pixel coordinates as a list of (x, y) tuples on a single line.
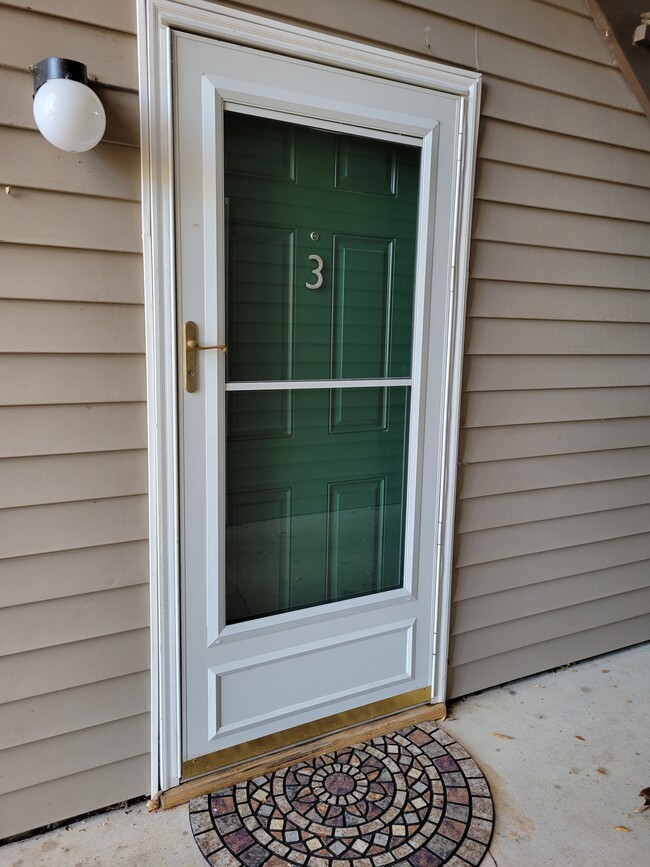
[(317, 272)]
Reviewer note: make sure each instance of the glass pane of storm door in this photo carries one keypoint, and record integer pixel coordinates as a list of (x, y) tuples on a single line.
[(315, 501), (321, 243)]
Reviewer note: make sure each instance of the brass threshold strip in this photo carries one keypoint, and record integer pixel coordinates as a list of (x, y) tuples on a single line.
[(273, 752)]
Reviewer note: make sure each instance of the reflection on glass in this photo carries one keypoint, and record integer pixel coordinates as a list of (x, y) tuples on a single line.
[(295, 192), (315, 497), (316, 477)]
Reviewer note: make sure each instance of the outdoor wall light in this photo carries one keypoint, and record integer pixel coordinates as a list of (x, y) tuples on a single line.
[(67, 112), (642, 32)]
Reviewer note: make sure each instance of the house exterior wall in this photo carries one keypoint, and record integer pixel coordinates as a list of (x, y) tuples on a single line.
[(552, 535), (74, 609)]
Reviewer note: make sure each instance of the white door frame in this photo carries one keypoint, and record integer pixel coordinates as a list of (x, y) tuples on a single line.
[(156, 20)]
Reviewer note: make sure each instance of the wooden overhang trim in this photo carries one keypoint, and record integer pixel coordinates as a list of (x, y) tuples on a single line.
[(617, 20)]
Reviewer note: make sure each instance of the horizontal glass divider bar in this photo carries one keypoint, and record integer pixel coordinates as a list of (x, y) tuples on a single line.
[(303, 384)]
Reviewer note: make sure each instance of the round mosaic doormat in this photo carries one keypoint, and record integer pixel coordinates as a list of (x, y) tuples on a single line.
[(413, 798)]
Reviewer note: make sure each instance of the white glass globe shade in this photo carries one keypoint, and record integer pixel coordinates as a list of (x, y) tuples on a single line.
[(69, 114)]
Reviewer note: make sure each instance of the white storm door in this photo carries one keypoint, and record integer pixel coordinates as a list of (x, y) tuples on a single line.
[(306, 199)]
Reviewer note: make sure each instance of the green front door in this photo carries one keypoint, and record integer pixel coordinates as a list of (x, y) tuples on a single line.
[(321, 234)]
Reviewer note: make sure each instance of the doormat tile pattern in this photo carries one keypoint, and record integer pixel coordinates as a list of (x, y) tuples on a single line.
[(413, 798)]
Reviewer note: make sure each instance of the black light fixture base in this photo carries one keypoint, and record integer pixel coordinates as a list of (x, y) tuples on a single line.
[(59, 67)]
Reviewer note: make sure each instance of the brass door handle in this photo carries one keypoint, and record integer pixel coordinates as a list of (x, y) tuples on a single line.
[(190, 347), (192, 344)]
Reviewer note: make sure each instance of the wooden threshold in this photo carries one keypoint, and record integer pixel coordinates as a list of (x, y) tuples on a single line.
[(271, 743), (287, 756)]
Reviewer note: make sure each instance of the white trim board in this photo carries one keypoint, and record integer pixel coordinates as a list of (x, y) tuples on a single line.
[(156, 20)]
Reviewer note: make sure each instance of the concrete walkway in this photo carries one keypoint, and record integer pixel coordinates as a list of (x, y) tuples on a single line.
[(579, 755), (565, 753)]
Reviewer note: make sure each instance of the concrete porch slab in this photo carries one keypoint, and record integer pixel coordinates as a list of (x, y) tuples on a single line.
[(578, 757)]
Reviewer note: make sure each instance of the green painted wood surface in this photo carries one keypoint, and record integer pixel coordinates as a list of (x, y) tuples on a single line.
[(316, 478)]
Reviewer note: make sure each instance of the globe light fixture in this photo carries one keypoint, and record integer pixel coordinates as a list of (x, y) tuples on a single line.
[(67, 112)]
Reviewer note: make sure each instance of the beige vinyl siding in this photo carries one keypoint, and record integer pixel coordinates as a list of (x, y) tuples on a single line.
[(68, 573), (102, 784), (71, 429), (552, 547), (63, 666), (50, 326), (114, 16), (74, 607), (64, 273)]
